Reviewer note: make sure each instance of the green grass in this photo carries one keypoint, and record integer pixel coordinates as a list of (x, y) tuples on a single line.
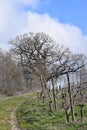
[(34, 115), (6, 107)]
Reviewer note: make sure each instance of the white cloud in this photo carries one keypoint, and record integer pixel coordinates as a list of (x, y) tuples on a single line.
[(14, 21), (69, 35)]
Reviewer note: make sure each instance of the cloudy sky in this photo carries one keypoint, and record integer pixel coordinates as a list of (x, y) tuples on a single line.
[(64, 20)]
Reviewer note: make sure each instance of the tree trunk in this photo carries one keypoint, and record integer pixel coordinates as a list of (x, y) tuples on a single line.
[(67, 116), (70, 98), (42, 94), (49, 95), (54, 95)]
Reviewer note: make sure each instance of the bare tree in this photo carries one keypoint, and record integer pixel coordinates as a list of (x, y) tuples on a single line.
[(33, 52), (37, 56), (10, 75)]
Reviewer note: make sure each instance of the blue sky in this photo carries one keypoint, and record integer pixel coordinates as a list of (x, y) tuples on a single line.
[(69, 11), (64, 20), (74, 12)]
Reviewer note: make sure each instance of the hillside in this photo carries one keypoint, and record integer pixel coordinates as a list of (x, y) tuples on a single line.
[(32, 114), (35, 115)]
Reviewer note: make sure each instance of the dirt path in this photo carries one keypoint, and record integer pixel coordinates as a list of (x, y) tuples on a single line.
[(13, 120)]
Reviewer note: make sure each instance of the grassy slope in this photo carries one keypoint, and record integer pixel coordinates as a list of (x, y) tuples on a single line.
[(34, 115), (39, 118), (6, 107)]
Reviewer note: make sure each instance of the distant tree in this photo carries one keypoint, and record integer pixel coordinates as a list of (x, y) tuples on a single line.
[(10, 75)]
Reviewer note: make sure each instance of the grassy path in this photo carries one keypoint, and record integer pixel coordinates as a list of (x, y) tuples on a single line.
[(7, 106)]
